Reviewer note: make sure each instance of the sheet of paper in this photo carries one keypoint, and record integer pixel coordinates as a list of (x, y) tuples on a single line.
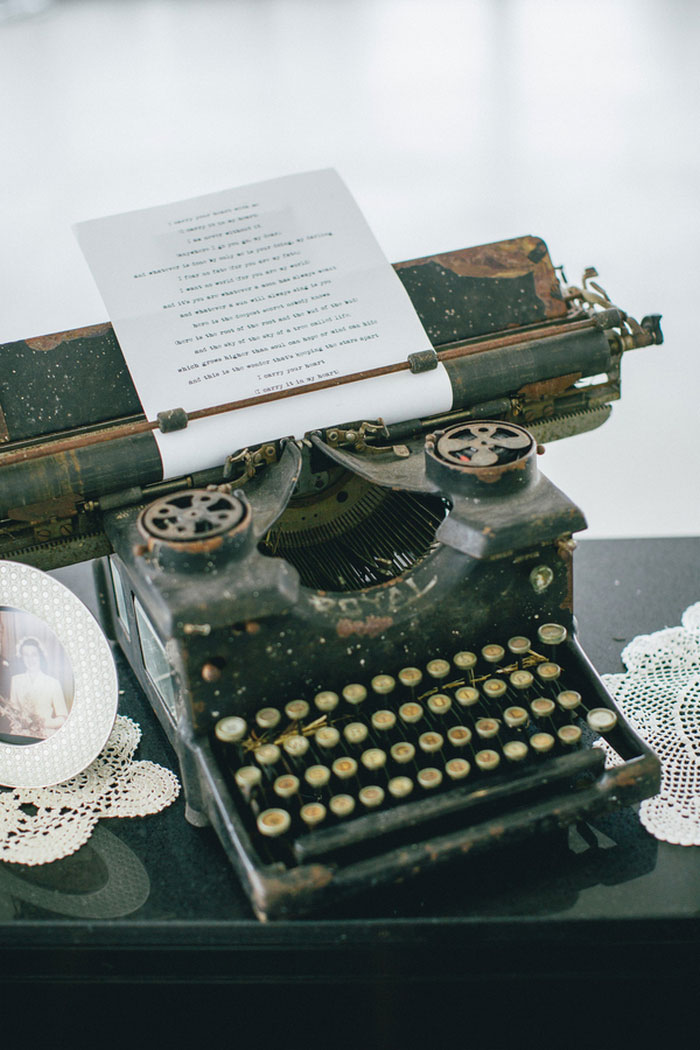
[(251, 291)]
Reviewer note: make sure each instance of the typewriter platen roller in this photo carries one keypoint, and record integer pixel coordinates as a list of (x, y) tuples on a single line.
[(361, 644)]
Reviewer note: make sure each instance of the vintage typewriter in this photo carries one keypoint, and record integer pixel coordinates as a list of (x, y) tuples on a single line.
[(361, 644)]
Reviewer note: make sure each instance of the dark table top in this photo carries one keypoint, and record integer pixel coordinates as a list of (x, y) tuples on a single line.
[(152, 902)]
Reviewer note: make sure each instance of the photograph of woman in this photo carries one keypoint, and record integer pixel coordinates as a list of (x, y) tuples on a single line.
[(36, 686)]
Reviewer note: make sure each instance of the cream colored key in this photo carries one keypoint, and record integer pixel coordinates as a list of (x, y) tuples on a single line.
[(230, 730), (439, 703), (296, 710), (326, 700), (341, 805), (286, 785), (273, 822), (438, 669), (268, 717), (464, 660), (383, 684), (371, 796), (429, 778), (410, 677), (354, 693), (313, 814), (487, 760)]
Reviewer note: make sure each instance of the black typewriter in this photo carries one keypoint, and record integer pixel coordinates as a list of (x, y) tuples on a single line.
[(362, 643)]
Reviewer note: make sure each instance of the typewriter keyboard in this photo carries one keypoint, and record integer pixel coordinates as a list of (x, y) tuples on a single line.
[(311, 773)]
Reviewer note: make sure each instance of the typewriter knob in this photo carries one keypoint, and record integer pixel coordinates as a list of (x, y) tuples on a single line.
[(489, 452), (185, 530)]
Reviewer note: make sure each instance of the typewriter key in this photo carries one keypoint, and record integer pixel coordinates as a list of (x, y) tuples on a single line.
[(383, 684), (551, 633), (383, 721), (231, 730), (403, 752), (515, 750), (268, 717), (438, 668), (317, 776), (374, 758), (464, 660), (355, 732), (542, 707), (341, 805), (371, 796), (487, 760), (326, 700), (400, 787), (542, 742), (430, 742), (354, 693), (345, 767), (295, 710), (521, 680), (313, 813), (410, 677), (569, 699), (410, 712), (493, 654), (467, 696), (494, 688), (487, 727), (515, 717), (429, 778), (601, 719), (459, 736), (296, 746), (439, 704), (327, 737), (248, 778), (286, 785), (548, 671), (267, 754), (274, 822), (519, 645), (570, 736), (457, 768)]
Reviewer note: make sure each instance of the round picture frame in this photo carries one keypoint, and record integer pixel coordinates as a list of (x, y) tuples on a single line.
[(81, 738)]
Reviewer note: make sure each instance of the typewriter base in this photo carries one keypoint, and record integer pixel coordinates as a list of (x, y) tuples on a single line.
[(424, 835)]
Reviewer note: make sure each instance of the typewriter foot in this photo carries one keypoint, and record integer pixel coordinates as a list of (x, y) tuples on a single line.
[(196, 817)]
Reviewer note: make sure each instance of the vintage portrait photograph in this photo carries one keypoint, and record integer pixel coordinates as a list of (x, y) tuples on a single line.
[(36, 679)]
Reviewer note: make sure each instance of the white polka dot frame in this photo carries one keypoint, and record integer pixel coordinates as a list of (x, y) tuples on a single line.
[(30, 754)]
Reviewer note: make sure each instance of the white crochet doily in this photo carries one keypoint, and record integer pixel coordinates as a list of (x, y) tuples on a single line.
[(660, 697), (39, 825)]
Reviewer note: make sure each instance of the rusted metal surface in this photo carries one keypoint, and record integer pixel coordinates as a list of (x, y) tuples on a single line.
[(50, 342), (492, 286), (549, 387), (4, 432)]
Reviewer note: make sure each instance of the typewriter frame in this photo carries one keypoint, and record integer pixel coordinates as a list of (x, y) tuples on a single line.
[(79, 465), (514, 571)]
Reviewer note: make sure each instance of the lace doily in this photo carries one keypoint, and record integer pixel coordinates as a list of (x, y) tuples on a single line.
[(39, 825), (660, 697)]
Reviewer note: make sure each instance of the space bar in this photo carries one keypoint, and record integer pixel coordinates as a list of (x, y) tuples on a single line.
[(404, 817)]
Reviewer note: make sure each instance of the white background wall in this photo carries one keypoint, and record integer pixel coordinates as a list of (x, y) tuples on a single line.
[(454, 122)]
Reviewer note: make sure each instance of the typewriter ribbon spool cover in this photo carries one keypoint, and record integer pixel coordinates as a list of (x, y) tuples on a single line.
[(360, 644)]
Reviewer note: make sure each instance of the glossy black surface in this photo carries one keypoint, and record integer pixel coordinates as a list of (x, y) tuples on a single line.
[(153, 900)]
